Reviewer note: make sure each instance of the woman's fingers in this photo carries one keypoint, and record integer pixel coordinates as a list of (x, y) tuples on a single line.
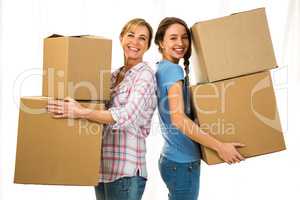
[(237, 154), (59, 116), (63, 109), (69, 99), (230, 162), (238, 145), (55, 109), (55, 102), (57, 106), (240, 157), (234, 157)]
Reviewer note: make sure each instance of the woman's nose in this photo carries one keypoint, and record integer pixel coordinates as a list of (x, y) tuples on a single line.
[(134, 40), (180, 42)]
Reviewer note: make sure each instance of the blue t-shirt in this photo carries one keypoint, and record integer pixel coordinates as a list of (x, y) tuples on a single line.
[(177, 146)]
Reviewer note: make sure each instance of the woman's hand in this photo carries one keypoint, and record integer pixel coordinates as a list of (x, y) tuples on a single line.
[(67, 108), (229, 153)]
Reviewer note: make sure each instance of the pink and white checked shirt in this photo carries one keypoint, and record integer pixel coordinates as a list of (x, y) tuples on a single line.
[(132, 106)]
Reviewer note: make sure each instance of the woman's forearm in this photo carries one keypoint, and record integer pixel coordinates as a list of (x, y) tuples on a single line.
[(194, 132), (99, 116)]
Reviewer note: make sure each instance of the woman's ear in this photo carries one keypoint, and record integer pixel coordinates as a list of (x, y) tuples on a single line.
[(120, 38), (161, 46)]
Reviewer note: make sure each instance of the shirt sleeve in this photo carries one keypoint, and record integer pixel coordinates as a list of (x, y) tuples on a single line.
[(141, 102), (172, 74)]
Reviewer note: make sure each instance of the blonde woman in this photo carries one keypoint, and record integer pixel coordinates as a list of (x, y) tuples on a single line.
[(128, 118)]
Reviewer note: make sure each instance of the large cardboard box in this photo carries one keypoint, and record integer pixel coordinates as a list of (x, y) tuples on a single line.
[(78, 67), (241, 110), (56, 151), (231, 46)]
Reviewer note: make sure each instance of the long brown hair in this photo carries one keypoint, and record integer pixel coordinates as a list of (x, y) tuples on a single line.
[(160, 34)]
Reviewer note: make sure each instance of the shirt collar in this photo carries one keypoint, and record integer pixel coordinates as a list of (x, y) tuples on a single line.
[(135, 68)]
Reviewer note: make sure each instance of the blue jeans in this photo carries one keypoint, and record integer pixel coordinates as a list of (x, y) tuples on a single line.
[(127, 188), (182, 179)]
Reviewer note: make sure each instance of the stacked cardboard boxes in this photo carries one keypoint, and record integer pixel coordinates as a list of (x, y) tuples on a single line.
[(65, 151), (234, 100), (77, 67)]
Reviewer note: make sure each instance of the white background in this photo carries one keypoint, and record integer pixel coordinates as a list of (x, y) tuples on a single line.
[(23, 26)]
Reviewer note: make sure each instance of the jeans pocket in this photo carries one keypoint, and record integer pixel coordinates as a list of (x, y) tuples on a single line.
[(166, 163), (118, 189), (138, 185), (168, 170), (129, 188), (123, 184), (196, 168), (184, 178)]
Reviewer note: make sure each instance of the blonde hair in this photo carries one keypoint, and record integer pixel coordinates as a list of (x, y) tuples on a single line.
[(134, 23)]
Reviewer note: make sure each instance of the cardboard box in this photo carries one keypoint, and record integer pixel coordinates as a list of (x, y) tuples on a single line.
[(231, 46), (78, 67), (241, 110), (56, 151)]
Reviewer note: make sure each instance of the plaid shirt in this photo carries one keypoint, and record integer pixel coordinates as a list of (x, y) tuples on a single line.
[(132, 106)]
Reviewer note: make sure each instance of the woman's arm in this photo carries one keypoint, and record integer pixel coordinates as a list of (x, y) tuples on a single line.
[(141, 103), (227, 151), (69, 108)]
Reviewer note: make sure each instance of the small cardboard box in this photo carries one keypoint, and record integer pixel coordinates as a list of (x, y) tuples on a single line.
[(241, 110), (56, 151), (232, 46), (77, 67)]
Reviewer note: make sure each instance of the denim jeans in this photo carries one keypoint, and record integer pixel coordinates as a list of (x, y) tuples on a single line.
[(182, 179), (127, 188)]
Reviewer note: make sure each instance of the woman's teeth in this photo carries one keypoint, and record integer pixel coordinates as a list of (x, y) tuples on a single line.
[(133, 49), (179, 50)]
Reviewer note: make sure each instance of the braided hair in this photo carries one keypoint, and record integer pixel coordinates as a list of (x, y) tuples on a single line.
[(159, 37)]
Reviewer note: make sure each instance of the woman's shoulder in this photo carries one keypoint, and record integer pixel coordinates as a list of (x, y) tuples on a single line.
[(168, 68), (144, 72), (146, 69)]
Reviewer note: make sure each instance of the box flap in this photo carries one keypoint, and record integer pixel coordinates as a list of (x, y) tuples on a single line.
[(78, 36), (262, 8), (90, 36), (55, 36)]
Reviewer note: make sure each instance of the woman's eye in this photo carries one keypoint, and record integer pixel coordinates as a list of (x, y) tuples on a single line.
[(142, 38), (173, 38), (130, 35)]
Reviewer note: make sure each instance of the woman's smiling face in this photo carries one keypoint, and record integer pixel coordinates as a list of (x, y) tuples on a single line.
[(135, 42), (175, 43)]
